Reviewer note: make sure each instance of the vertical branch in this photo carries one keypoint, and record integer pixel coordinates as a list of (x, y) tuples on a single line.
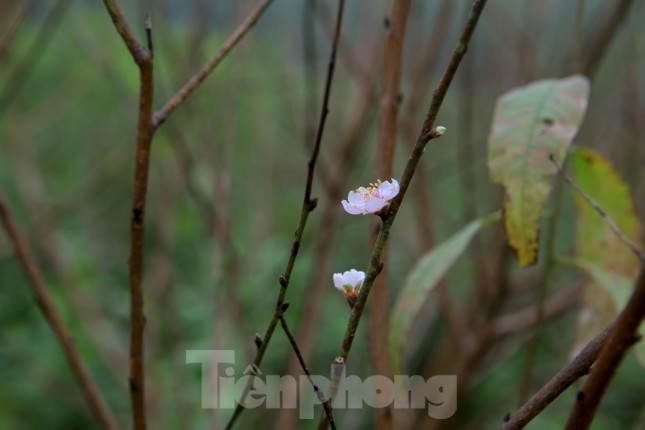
[(621, 339), (143, 58), (44, 301), (137, 230), (388, 118), (146, 126), (308, 205)]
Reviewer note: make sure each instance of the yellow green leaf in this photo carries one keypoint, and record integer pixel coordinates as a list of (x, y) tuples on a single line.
[(530, 124), (610, 264)]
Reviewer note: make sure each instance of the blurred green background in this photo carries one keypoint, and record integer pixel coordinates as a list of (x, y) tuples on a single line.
[(226, 183)]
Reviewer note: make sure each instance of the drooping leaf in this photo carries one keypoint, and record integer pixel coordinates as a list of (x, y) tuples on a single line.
[(609, 263), (531, 123), (422, 279)]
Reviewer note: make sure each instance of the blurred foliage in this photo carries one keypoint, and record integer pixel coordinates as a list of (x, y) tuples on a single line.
[(66, 165)]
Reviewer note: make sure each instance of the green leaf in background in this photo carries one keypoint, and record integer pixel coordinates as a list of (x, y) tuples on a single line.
[(422, 279), (608, 261), (529, 124)]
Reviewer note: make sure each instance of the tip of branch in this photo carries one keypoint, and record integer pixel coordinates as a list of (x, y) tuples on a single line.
[(435, 132), (148, 24)]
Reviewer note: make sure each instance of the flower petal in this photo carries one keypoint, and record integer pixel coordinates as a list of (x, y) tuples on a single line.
[(338, 282), (374, 204), (354, 277), (352, 209), (354, 197), (389, 190)]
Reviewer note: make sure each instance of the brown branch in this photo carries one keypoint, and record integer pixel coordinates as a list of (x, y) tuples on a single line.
[(91, 391), (147, 125), (162, 114), (387, 133), (574, 370), (294, 345), (145, 130), (621, 339), (137, 50), (308, 205)]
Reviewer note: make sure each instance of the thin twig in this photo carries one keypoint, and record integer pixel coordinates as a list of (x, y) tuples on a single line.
[(93, 396), (162, 114), (308, 205), (428, 132), (610, 222), (301, 359), (574, 370)]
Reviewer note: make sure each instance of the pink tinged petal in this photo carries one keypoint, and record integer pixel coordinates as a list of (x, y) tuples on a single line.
[(354, 197), (389, 190), (352, 208), (374, 205)]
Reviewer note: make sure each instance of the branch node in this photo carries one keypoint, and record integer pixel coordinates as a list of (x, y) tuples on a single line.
[(283, 281), (313, 203)]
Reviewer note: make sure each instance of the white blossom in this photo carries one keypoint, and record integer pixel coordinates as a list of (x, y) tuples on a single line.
[(371, 199)]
